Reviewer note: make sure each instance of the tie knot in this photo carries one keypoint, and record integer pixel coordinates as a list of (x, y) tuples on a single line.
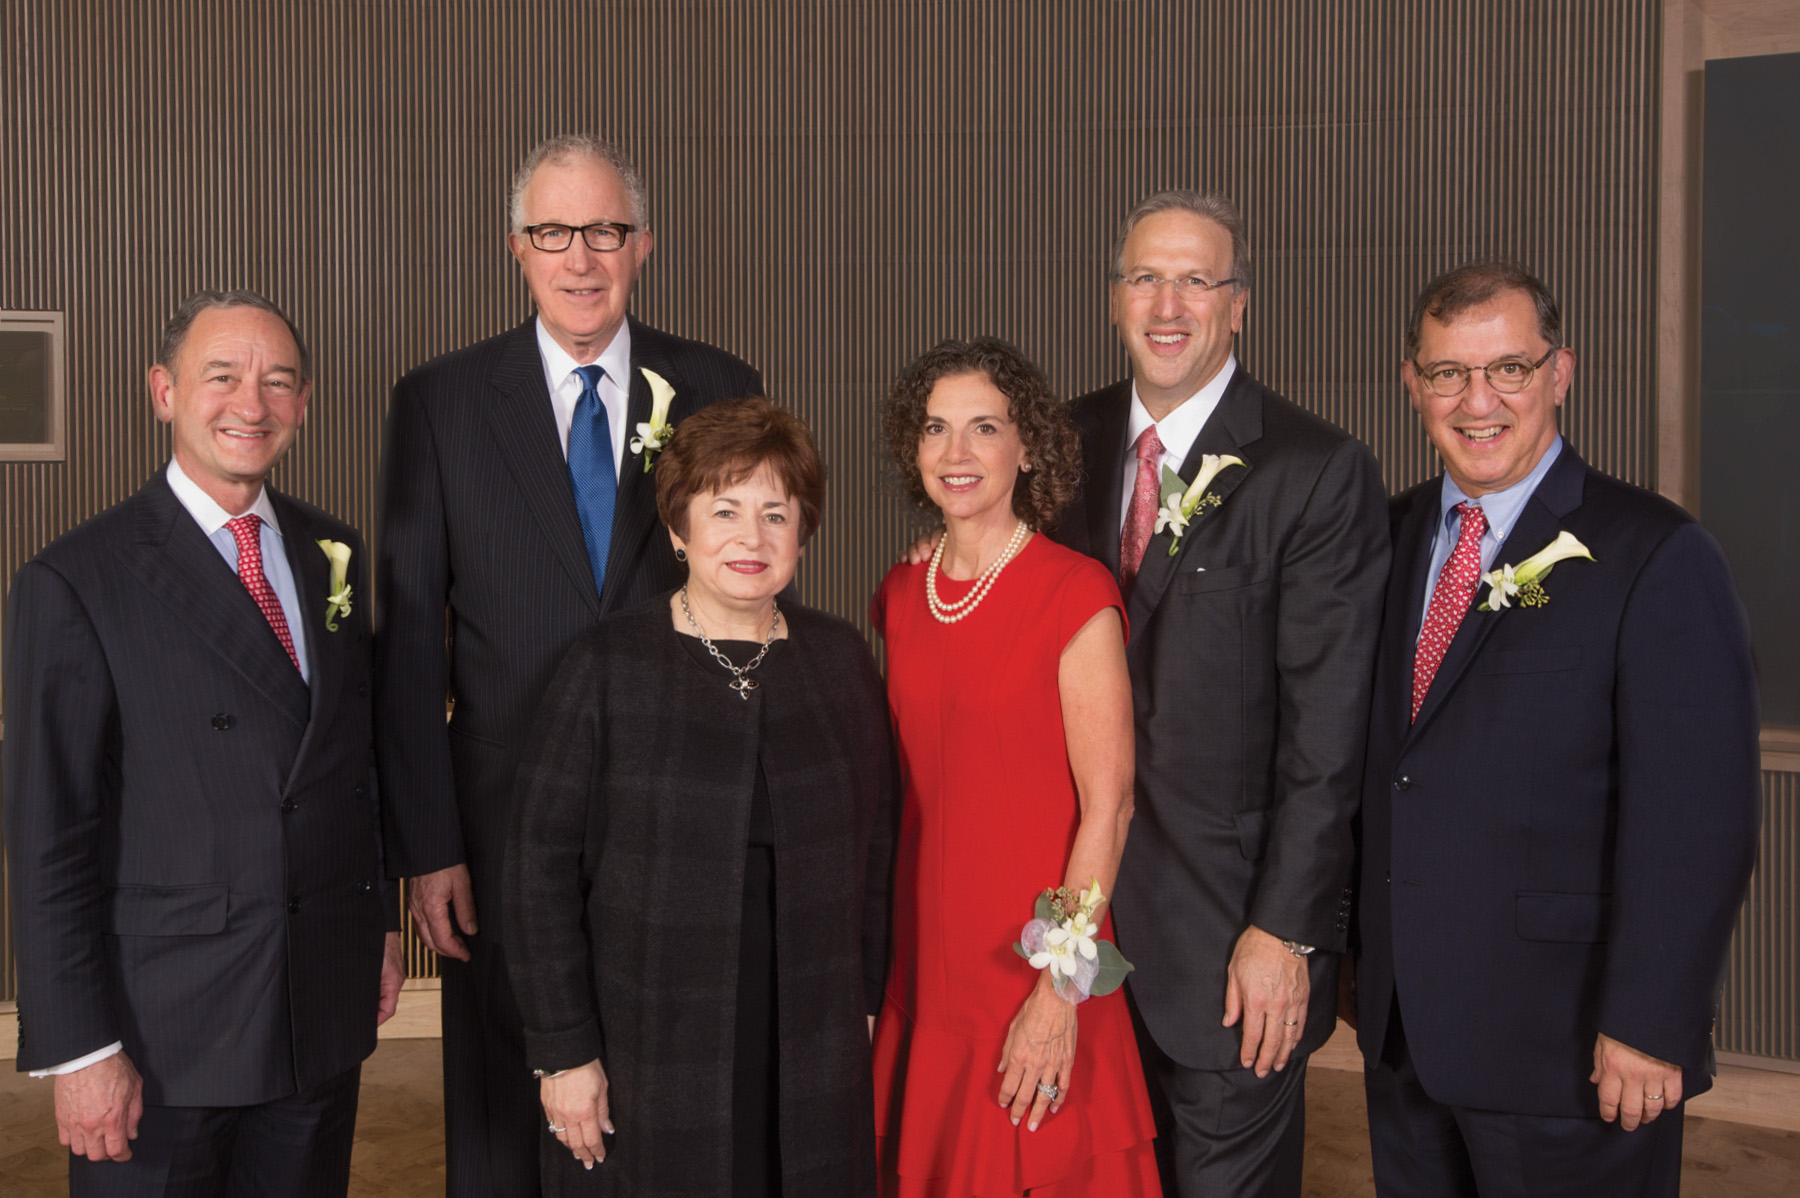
[(1474, 520), (590, 376), (244, 528), (1149, 445)]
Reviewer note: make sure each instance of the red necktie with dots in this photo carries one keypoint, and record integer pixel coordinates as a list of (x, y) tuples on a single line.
[(1449, 601), (246, 530), (1140, 517)]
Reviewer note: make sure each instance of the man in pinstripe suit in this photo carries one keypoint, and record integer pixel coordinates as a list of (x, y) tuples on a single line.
[(516, 511), (203, 940)]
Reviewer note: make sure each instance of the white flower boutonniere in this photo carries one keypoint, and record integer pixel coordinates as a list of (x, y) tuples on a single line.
[(654, 436), (338, 602), (1183, 501), (1526, 580)]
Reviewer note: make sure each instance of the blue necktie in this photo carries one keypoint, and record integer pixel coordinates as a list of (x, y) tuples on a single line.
[(591, 471)]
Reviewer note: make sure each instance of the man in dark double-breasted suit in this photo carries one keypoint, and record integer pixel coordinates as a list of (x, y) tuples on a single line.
[(204, 944), (1251, 635), (1561, 799), (516, 511)]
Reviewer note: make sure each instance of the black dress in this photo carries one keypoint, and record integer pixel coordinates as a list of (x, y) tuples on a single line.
[(755, 1095)]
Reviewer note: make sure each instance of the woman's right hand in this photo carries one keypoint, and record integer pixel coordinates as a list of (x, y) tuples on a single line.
[(575, 1103)]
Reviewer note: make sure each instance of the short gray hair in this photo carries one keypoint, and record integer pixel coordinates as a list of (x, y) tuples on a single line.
[(1473, 284), (1212, 206), (559, 150), (176, 331)]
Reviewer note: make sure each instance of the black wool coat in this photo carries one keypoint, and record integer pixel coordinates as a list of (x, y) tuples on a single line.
[(624, 881)]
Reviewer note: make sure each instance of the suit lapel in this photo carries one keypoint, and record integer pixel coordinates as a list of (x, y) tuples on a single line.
[(634, 515), (312, 578), (1105, 463), (1234, 425), (178, 564), (1556, 496), (524, 428)]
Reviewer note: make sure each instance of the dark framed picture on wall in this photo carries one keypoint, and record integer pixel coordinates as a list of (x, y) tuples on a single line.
[(33, 387)]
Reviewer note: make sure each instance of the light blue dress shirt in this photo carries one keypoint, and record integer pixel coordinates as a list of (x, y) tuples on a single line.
[(1502, 509)]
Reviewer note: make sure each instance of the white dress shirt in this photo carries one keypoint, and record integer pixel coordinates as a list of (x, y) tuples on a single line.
[(565, 386), (1177, 431)]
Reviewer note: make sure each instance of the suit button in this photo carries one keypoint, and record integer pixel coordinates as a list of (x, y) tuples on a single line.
[(287, 806), (1403, 782), (1388, 878), (362, 792), (293, 906), (364, 886), (223, 722), (362, 690)]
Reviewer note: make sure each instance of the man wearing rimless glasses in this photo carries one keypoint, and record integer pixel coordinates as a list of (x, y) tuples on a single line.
[(517, 509)]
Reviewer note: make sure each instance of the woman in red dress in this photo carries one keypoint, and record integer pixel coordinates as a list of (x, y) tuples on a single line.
[(1009, 693)]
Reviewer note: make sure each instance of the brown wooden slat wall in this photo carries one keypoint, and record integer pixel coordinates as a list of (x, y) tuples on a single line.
[(1760, 1013), (834, 187)]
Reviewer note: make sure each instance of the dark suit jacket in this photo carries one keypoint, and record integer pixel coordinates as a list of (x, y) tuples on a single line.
[(192, 830), (626, 870), (1250, 656), (1558, 846), (478, 518)]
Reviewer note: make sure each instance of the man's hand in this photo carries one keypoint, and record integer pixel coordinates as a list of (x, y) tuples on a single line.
[(575, 1103), (920, 551), (98, 1108), (393, 972), (430, 898), (1268, 987), (1634, 1088)]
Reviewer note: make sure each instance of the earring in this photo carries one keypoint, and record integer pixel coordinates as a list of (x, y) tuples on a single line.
[(1025, 468), (680, 554)]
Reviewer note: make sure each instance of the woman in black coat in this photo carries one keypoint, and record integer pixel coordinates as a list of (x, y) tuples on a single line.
[(698, 867)]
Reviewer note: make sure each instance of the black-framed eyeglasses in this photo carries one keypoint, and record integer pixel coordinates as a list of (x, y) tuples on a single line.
[(603, 237), (1189, 287), (1505, 375)]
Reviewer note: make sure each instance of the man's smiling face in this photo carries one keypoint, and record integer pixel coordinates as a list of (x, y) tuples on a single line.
[(1489, 440), (1176, 345)]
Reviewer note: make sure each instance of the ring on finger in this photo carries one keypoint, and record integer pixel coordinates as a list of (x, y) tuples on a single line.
[(558, 1130), (1653, 1098), (1052, 1092)]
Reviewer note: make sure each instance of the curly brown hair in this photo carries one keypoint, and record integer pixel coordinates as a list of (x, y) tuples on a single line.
[(1051, 446), (724, 443)]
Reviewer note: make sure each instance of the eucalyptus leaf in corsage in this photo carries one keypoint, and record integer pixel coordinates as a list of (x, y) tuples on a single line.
[(1525, 581), (1183, 501), (653, 437), (1063, 937), (337, 603)]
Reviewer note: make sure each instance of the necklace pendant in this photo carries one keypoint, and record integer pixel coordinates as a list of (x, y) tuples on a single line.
[(743, 686)]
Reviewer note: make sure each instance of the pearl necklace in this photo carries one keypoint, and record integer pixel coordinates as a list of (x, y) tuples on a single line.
[(740, 683), (950, 613)]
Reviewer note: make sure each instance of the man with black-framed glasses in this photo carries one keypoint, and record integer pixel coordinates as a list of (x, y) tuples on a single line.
[(1560, 802), (518, 507)]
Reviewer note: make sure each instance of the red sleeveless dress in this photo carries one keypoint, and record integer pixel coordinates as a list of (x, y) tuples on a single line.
[(988, 821)]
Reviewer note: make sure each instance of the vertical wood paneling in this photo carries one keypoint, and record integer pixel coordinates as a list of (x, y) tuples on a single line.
[(834, 187), (1760, 1012)]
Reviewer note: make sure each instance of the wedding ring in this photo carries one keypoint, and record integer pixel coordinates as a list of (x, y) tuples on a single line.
[(558, 1130), (1653, 1098), (1292, 1023), (1050, 1092)]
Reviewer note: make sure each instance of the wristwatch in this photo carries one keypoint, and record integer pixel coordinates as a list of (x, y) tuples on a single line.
[(1298, 949)]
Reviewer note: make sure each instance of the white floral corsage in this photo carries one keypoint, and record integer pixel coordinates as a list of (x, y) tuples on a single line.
[(1525, 581), (653, 437), (337, 603), (1183, 501), (1062, 937)]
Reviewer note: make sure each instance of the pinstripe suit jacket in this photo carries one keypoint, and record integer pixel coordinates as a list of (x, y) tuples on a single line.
[(478, 526), (191, 829)]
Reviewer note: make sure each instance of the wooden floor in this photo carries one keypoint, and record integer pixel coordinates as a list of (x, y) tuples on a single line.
[(400, 1140)]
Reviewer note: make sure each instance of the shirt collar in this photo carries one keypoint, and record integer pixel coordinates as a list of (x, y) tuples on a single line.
[(1502, 508), (1179, 429), (615, 359), (210, 516)]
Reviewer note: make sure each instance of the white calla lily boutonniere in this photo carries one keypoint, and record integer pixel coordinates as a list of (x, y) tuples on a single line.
[(1525, 581), (653, 437), (337, 603), (1183, 501)]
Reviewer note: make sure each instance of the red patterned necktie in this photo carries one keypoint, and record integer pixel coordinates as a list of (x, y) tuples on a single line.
[(1140, 517), (1449, 601), (246, 530)]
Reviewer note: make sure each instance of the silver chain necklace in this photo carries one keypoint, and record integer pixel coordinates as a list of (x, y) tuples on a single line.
[(741, 682)]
